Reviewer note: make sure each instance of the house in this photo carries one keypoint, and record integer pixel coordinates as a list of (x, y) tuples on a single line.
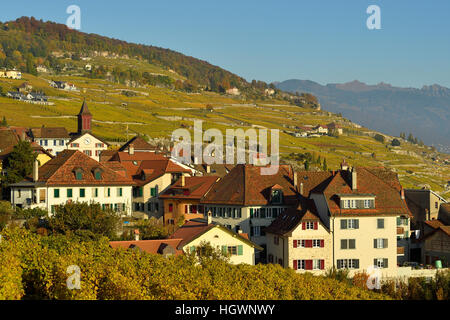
[(436, 246), (321, 129), (299, 239), (83, 140), (152, 173), (25, 87), (41, 69), (16, 95), (182, 199), (73, 176), (52, 139), (11, 74), (37, 97), (63, 85), (444, 213), (165, 247), (214, 169), (233, 91), (194, 233), (424, 205), (248, 201), (333, 127)]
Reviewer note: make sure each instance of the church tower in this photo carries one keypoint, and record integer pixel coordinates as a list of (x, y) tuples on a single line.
[(84, 119)]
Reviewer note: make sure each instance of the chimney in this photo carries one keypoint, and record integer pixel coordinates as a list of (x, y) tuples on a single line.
[(301, 188), (240, 231), (136, 234), (35, 170), (354, 180), (183, 181), (295, 180), (131, 149), (209, 218)]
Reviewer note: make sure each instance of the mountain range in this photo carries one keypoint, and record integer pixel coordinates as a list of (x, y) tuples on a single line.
[(423, 112)]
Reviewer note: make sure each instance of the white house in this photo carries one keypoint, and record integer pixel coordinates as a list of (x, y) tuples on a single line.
[(53, 140), (73, 176)]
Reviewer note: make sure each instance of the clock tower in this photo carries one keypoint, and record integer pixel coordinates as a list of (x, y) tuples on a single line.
[(84, 119)]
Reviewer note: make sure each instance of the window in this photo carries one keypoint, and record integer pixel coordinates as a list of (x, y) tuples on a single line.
[(170, 207), (317, 264), (108, 192), (348, 244), (82, 193), (88, 152), (380, 243), (153, 192), (256, 231), (310, 225), (380, 262), (79, 175), (366, 203), (349, 224), (316, 243), (55, 142), (301, 265), (95, 192), (56, 193), (98, 175), (380, 223), (276, 196), (61, 142), (436, 205), (348, 263), (69, 193), (233, 250), (119, 192)]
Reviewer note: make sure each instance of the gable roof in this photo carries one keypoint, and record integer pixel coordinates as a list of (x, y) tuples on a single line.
[(61, 171), (84, 108), (214, 169), (435, 224), (378, 182), (193, 229), (244, 185), (139, 144), (289, 220), (149, 246), (50, 132), (76, 135), (196, 188)]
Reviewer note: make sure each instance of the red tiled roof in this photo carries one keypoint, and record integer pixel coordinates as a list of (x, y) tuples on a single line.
[(244, 185), (379, 182), (44, 132), (61, 171), (150, 170), (197, 187), (139, 144), (435, 224), (149, 246)]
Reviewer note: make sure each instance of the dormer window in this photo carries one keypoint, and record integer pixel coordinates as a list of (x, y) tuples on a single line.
[(79, 174), (358, 203), (276, 195), (98, 174)]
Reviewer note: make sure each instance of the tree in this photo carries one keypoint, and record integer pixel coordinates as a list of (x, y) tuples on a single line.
[(379, 138), (395, 142), (4, 123), (5, 213), (306, 165), (88, 221), (19, 163), (325, 166)]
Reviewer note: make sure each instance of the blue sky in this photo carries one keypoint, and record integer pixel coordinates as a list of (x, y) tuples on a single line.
[(325, 40)]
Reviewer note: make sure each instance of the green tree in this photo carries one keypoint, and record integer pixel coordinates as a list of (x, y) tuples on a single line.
[(325, 166), (395, 142), (88, 221), (5, 213), (379, 138), (4, 123), (306, 165), (19, 163)]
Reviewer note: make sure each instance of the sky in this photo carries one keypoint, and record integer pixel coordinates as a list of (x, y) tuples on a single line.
[(326, 41)]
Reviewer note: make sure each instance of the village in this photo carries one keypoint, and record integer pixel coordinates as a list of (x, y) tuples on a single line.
[(352, 218)]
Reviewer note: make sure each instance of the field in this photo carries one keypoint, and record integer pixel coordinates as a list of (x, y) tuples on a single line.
[(157, 111)]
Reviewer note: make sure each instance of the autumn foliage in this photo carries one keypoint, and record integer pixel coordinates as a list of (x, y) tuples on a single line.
[(34, 267)]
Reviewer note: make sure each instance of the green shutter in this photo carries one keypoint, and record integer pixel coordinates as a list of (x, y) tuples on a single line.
[(240, 250), (153, 192), (251, 212), (224, 250), (120, 192), (385, 263), (343, 224), (374, 243), (192, 248), (69, 193), (140, 191)]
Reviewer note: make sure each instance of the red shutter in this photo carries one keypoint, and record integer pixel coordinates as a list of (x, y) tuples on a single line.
[(295, 264), (304, 226), (316, 224), (185, 208), (295, 243), (322, 264), (309, 264), (309, 244), (322, 243)]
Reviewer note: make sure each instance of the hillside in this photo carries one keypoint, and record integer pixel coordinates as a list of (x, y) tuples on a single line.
[(155, 110), (423, 112)]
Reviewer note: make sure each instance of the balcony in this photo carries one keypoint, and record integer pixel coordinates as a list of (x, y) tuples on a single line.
[(400, 251)]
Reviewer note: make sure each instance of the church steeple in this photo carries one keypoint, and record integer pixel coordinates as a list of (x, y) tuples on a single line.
[(84, 119)]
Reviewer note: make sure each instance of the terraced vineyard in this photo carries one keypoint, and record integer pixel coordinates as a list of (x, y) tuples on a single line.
[(156, 112)]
